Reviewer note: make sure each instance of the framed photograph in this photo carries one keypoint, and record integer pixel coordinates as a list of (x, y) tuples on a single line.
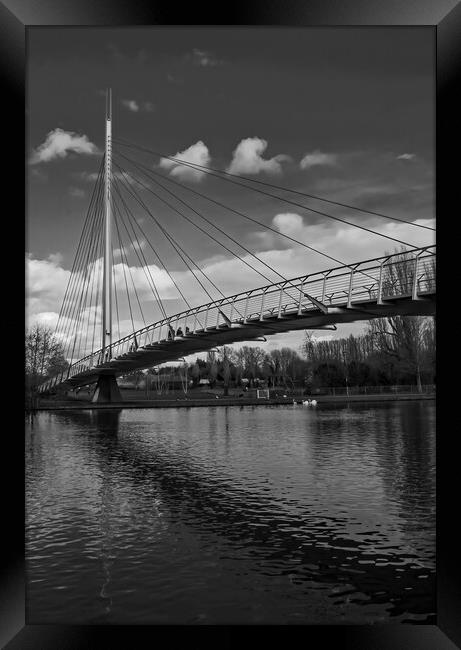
[(230, 333)]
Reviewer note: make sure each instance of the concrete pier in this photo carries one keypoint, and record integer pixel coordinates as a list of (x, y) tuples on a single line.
[(107, 390)]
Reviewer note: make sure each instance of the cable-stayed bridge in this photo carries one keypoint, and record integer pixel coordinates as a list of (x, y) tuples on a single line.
[(401, 283)]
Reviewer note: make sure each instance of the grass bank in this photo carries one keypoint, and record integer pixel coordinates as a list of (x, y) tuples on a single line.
[(188, 402)]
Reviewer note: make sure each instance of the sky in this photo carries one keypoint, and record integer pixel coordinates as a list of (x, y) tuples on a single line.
[(344, 114)]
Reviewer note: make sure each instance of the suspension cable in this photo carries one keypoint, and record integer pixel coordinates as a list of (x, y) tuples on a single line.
[(74, 303), (176, 244), (208, 169), (140, 254), (124, 271), (201, 229), (115, 293), (76, 298), (162, 265), (216, 227), (84, 281), (241, 214), (80, 247), (177, 249), (123, 254), (211, 236)]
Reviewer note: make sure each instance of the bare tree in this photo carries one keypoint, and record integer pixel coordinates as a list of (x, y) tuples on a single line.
[(44, 355), (285, 366), (403, 338), (183, 375), (195, 373), (225, 361), (252, 360)]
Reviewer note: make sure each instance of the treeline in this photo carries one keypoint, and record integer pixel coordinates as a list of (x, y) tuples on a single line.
[(399, 350)]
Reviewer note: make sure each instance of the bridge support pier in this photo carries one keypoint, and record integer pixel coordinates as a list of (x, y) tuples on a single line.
[(107, 390)]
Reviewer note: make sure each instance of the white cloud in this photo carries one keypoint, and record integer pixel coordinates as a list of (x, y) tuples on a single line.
[(289, 223), (46, 284), (197, 153), (131, 105), (406, 156), (318, 158), (59, 143), (204, 59), (135, 246), (77, 192), (136, 107), (55, 258), (128, 179), (247, 158), (89, 177)]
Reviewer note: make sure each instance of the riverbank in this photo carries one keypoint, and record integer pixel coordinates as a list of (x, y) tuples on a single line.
[(184, 402)]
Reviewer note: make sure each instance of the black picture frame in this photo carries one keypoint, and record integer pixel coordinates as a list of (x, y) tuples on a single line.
[(444, 16)]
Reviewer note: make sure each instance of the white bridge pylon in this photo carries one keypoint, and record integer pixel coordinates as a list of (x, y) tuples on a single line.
[(398, 284)]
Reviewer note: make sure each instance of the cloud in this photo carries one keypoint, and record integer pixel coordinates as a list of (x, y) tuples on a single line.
[(247, 158), (128, 179), (406, 156), (317, 158), (59, 143), (88, 177), (135, 107), (204, 59), (77, 192), (289, 223), (134, 246), (55, 258), (46, 284), (197, 153), (131, 105)]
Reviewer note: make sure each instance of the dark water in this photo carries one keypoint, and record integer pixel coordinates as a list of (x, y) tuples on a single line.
[(232, 515)]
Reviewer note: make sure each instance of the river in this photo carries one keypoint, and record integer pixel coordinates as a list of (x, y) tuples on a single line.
[(232, 515)]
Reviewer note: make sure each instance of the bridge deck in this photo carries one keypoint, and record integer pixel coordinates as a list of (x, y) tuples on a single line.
[(388, 286)]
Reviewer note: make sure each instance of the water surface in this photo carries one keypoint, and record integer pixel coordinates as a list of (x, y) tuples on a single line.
[(281, 514)]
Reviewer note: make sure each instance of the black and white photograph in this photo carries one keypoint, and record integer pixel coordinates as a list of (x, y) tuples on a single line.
[(230, 326)]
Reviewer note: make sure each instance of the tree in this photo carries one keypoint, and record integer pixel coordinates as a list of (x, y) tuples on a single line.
[(195, 373), (252, 359), (226, 373), (183, 375), (284, 365), (44, 355), (212, 368), (403, 339)]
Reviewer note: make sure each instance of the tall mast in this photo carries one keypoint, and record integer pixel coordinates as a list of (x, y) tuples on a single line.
[(107, 281)]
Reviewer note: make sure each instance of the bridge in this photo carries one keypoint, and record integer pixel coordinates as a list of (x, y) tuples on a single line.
[(397, 284)]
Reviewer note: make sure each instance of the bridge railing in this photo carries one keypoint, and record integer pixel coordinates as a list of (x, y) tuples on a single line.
[(410, 273)]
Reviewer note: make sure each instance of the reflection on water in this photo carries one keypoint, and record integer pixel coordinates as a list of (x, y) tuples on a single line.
[(232, 515)]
